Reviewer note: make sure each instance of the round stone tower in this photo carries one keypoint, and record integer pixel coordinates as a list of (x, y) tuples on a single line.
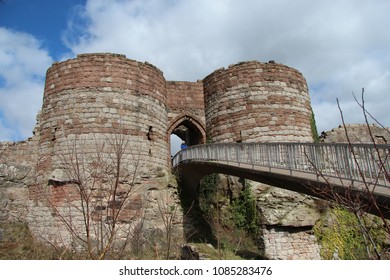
[(101, 143), (257, 102), (103, 98)]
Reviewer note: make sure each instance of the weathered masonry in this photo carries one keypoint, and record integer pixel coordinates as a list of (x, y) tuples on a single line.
[(102, 97)]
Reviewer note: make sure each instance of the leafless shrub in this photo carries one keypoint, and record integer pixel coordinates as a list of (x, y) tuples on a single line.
[(99, 177), (360, 202), (168, 214)]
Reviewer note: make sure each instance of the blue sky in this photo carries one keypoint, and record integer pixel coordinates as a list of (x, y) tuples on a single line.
[(340, 46), (44, 19)]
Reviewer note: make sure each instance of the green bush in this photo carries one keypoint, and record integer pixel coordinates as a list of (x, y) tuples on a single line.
[(234, 221), (207, 193), (244, 212)]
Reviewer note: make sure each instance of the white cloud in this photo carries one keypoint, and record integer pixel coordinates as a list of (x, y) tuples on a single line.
[(339, 46), (23, 64)]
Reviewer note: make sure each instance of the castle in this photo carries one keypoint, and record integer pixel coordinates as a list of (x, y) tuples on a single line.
[(102, 97), (249, 101)]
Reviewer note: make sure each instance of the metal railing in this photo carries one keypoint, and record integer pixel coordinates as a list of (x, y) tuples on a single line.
[(357, 162)]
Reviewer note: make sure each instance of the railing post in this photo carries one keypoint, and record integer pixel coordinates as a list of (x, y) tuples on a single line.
[(251, 154), (347, 162), (288, 158), (239, 154), (268, 156)]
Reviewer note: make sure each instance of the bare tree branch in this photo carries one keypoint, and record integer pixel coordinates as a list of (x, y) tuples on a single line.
[(359, 202)]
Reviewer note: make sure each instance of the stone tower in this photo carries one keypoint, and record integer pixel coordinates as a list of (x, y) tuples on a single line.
[(257, 102), (95, 100), (97, 95)]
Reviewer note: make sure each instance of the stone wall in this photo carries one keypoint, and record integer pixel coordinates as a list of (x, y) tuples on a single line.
[(287, 219), (267, 102), (185, 107), (140, 225), (290, 244), (357, 133), (95, 101), (91, 105), (95, 107), (97, 95), (185, 98), (17, 173), (257, 102)]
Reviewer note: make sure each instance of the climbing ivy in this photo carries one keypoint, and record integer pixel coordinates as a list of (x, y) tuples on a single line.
[(234, 220), (244, 213), (340, 236), (207, 189)]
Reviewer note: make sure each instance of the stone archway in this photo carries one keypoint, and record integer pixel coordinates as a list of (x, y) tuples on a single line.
[(188, 129)]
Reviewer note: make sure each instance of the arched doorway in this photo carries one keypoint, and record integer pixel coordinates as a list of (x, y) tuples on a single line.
[(185, 128)]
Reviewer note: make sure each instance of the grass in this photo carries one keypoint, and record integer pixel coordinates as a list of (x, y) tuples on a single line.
[(17, 243)]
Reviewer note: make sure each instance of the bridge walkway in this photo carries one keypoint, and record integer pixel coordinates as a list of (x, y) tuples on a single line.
[(322, 170)]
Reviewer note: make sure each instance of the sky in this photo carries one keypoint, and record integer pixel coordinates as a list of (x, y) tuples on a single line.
[(340, 46)]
